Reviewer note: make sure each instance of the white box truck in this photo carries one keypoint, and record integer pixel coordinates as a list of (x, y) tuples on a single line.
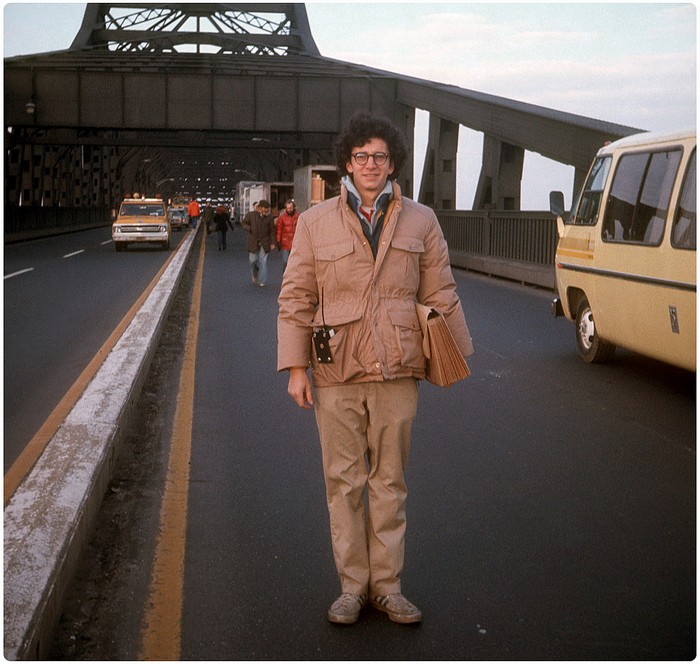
[(313, 184), (250, 192)]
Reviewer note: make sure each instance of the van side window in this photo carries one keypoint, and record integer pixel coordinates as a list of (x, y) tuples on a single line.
[(589, 203), (638, 203), (683, 234)]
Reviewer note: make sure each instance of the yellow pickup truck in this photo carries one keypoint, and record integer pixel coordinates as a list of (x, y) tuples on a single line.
[(141, 220)]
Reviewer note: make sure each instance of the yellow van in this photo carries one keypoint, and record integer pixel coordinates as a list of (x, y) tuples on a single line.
[(141, 220), (626, 258)]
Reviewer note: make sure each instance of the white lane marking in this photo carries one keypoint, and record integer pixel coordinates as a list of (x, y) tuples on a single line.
[(106, 242), (75, 253), (14, 274)]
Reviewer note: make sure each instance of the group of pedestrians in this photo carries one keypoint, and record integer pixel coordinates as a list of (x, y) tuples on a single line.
[(264, 235), (218, 220), (264, 232)]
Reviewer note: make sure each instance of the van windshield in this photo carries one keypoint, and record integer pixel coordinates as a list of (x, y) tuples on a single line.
[(586, 212)]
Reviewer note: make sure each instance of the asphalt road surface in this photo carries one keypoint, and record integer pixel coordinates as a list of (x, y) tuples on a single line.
[(551, 509), (63, 296)]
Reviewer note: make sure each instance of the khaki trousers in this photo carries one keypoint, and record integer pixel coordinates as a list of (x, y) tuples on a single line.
[(365, 432)]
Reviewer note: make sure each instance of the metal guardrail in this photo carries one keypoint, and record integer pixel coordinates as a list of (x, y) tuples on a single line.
[(513, 245)]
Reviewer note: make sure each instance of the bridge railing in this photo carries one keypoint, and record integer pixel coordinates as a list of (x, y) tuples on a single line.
[(514, 245)]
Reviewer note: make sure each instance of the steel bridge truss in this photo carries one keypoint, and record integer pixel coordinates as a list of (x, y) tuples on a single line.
[(192, 98), (259, 29)]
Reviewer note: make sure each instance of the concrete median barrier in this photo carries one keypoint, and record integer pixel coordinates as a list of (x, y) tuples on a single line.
[(52, 512)]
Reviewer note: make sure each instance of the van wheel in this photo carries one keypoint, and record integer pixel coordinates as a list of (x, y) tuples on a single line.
[(590, 346)]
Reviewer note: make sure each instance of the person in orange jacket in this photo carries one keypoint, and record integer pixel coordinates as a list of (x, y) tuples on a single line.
[(193, 212), (286, 227)]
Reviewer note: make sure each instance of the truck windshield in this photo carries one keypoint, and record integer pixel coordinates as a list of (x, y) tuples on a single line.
[(142, 210)]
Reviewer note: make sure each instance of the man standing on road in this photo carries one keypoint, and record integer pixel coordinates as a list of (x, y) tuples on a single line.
[(360, 263), (286, 227), (193, 212), (260, 227)]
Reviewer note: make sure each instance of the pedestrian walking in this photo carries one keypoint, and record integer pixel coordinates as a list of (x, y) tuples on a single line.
[(260, 227), (208, 218), (193, 211), (347, 308), (286, 227), (222, 222)]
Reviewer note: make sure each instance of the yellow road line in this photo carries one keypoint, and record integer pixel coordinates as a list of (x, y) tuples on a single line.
[(162, 623), (32, 451)]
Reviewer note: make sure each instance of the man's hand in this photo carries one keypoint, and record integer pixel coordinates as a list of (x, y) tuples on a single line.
[(299, 387)]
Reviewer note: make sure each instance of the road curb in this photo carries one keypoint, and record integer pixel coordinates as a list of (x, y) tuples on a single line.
[(50, 516)]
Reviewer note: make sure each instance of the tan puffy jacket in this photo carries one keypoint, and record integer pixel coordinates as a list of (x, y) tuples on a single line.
[(370, 305)]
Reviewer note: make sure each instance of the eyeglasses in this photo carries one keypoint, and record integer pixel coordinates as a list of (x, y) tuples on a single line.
[(362, 157)]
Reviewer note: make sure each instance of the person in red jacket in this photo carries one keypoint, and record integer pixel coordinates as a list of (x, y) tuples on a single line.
[(286, 226)]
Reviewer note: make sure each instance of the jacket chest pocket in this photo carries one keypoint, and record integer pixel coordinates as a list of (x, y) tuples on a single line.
[(334, 264), (406, 252)]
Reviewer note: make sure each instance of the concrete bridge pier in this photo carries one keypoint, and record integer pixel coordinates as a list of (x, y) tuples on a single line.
[(501, 175), (439, 182)]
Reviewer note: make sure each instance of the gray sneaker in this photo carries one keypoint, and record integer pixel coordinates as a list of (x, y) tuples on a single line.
[(346, 609), (398, 608)]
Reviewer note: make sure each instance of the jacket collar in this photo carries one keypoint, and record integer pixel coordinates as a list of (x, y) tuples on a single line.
[(373, 231), (354, 199)]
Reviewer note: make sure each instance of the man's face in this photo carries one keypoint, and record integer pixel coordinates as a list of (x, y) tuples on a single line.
[(370, 178), (263, 210), (290, 208)]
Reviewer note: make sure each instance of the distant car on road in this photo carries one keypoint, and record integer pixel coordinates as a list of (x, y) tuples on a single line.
[(141, 220), (178, 218)]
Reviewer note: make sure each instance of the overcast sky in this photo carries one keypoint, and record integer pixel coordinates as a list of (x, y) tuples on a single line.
[(629, 63)]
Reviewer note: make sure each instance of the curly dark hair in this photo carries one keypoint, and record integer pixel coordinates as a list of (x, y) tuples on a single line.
[(363, 127)]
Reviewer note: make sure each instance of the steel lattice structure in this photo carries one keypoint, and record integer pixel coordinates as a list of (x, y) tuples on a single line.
[(259, 29)]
